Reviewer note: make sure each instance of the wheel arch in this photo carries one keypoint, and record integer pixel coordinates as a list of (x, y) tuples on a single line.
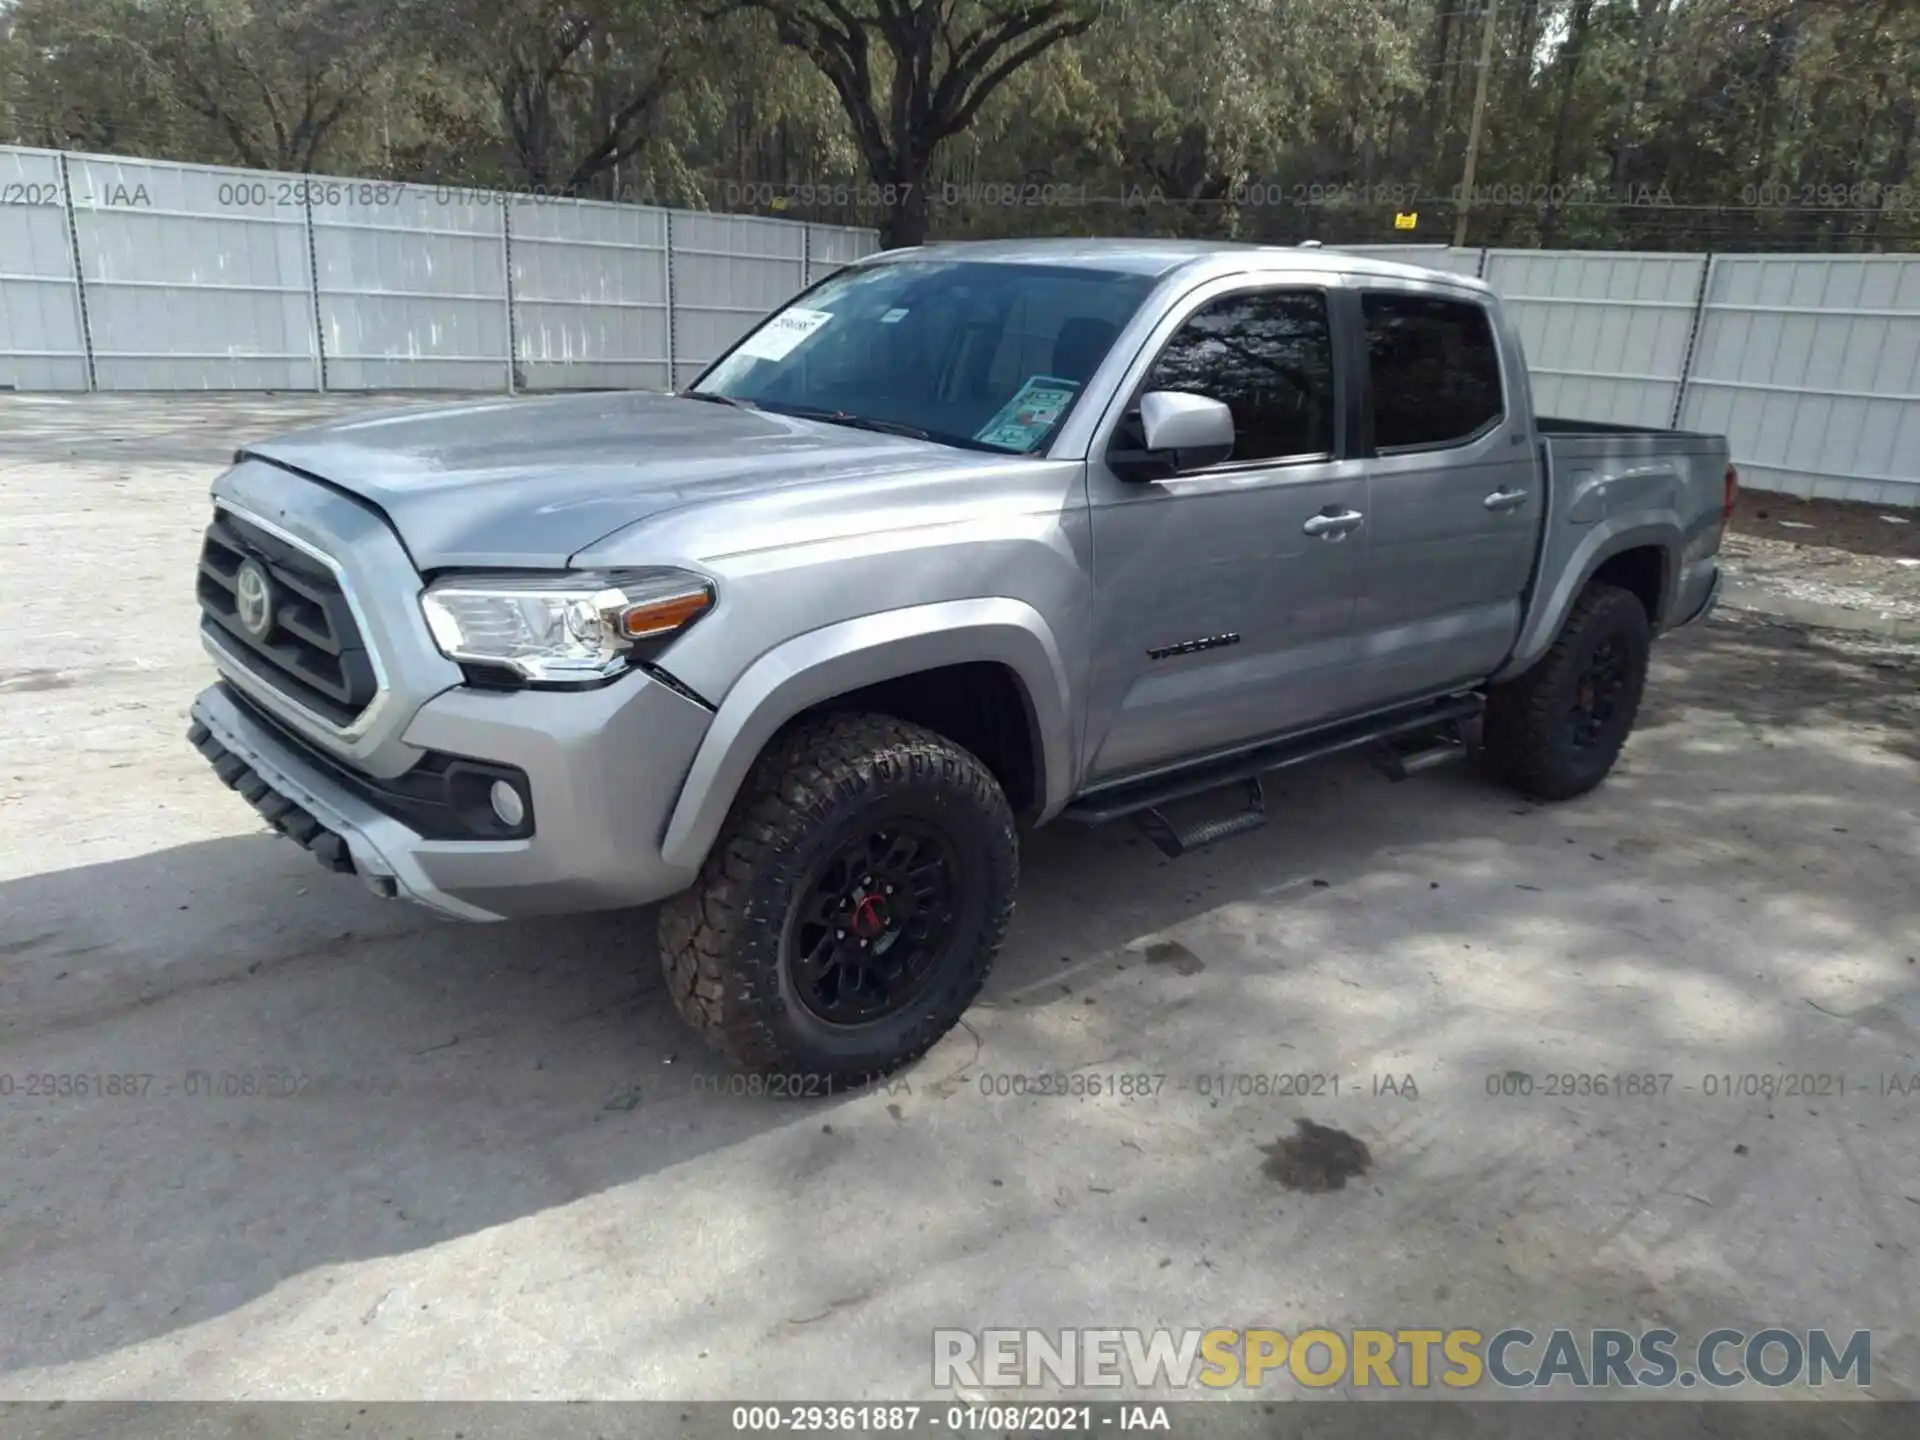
[(1531, 736), (880, 657), (1640, 554)]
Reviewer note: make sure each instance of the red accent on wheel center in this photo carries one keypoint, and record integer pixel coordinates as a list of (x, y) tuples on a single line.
[(869, 916)]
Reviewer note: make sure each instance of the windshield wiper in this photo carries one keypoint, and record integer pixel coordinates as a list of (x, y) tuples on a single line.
[(714, 397), (857, 422)]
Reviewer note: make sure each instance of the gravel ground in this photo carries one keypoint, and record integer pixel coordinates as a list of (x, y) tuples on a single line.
[(1827, 560), (1891, 532), (510, 1173)]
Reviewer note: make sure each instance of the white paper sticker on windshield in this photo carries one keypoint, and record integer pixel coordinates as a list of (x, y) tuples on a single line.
[(1029, 414), (778, 337), (893, 317)]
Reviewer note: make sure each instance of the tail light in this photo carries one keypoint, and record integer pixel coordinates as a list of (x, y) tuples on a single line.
[(1733, 493)]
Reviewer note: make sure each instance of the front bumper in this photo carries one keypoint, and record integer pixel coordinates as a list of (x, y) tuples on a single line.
[(605, 768)]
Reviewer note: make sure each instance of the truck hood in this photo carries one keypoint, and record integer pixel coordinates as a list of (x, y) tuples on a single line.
[(530, 482)]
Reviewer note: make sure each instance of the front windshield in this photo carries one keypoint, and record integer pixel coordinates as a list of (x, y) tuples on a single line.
[(982, 355)]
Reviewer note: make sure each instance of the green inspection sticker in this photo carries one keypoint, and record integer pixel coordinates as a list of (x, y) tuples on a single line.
[(1029, 414)]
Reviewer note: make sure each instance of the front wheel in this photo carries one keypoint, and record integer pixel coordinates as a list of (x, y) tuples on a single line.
[(850, 909), (1555, 732)]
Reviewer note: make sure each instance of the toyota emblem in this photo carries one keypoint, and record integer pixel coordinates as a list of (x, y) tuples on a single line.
[(253, 599)]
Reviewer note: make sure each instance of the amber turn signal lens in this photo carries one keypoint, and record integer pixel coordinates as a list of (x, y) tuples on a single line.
[(663, 617)]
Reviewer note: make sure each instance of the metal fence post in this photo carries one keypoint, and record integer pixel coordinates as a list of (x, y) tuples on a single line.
[(1693, 340), (313, 290), (79, 279), (506, 259), (673, 321)]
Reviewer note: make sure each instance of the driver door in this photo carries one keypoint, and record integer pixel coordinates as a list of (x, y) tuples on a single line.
[(1224, 597)]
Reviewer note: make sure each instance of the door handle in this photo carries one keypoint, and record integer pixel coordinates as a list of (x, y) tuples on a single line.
[(1505, 500), (1333, 525)]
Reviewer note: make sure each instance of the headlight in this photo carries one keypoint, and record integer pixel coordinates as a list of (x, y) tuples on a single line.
[(574, 627)]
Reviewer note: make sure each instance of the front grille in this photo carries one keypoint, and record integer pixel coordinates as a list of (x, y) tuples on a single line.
[(310, 650)]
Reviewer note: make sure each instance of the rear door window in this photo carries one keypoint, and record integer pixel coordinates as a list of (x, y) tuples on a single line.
[(1434, 368)]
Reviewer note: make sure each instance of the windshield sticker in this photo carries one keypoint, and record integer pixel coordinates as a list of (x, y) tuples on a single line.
[(1029, 414), (776, 339), (893, 317)]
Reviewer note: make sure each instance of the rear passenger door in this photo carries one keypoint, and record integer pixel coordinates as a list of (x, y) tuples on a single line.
[(1454, 502), (1224, 595)]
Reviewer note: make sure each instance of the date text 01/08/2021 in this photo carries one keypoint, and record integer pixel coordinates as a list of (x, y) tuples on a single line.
[(1152, 1085), (188, 1084), (1715, 1085), (994, 1419)]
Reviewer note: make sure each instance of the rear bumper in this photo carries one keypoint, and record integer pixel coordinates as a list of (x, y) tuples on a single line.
[(604, 768), (1705, 606)]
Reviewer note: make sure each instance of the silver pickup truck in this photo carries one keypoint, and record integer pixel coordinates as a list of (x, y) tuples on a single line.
[(964, 538)]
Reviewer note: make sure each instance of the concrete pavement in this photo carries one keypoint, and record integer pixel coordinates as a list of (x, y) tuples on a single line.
[(487, 1162)]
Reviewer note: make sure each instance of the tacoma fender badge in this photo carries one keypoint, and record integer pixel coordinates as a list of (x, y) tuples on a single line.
[(1192, 647)]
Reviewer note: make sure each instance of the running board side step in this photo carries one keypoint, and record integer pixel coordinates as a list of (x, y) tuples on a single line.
[(1173, 842), (1397, 764), (1443, 717)]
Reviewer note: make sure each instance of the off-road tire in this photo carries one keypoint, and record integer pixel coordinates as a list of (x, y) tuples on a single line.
[(721, 941), (1526, 740)]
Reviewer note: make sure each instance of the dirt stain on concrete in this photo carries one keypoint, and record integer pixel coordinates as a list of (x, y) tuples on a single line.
[(1172, 952), (17, 680), (1317, 1157), (31, 942)]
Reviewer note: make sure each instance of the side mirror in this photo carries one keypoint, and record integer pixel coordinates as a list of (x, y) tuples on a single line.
[(1180, 432)]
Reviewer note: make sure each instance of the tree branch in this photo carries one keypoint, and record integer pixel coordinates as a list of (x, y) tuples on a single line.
[(612, 148), (997, 76)]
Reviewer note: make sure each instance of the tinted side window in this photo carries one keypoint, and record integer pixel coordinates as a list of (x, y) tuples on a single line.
[(1435, 370), (1270, 358)]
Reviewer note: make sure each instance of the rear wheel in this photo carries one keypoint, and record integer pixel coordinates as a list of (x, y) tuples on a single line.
[(851, 907), (1556, 731)]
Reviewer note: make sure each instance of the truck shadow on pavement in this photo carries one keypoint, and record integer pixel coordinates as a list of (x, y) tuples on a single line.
[(321, 1110)]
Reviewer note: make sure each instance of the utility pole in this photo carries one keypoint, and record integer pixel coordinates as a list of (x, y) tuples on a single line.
[(1475, 125)]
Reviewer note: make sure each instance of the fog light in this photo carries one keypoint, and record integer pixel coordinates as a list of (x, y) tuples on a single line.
[(507, 804)]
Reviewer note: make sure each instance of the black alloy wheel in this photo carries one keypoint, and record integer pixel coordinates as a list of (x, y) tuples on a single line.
[(873, 922), (1597, 694), (1555, 731), (851, 907)]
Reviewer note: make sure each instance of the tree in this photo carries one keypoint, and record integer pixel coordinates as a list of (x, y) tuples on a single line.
[(1210, 117), (12, 83), (74, 81), (911, 74), (1787, 124), (1568, 65), (578, 85), (275, 78)]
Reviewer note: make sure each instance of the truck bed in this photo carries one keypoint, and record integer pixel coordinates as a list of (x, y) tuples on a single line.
[(1557, 426), (1606, 480)]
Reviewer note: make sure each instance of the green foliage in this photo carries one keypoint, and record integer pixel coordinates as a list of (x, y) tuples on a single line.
[(1693, 123)]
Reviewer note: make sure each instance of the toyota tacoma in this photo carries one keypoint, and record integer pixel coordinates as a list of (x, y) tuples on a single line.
[(965, 538)]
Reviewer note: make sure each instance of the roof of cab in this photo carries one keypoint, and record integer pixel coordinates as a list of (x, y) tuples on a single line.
[(1156, 257)]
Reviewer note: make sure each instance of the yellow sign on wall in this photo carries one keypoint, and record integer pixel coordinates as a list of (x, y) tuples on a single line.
[(1406, 221)]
